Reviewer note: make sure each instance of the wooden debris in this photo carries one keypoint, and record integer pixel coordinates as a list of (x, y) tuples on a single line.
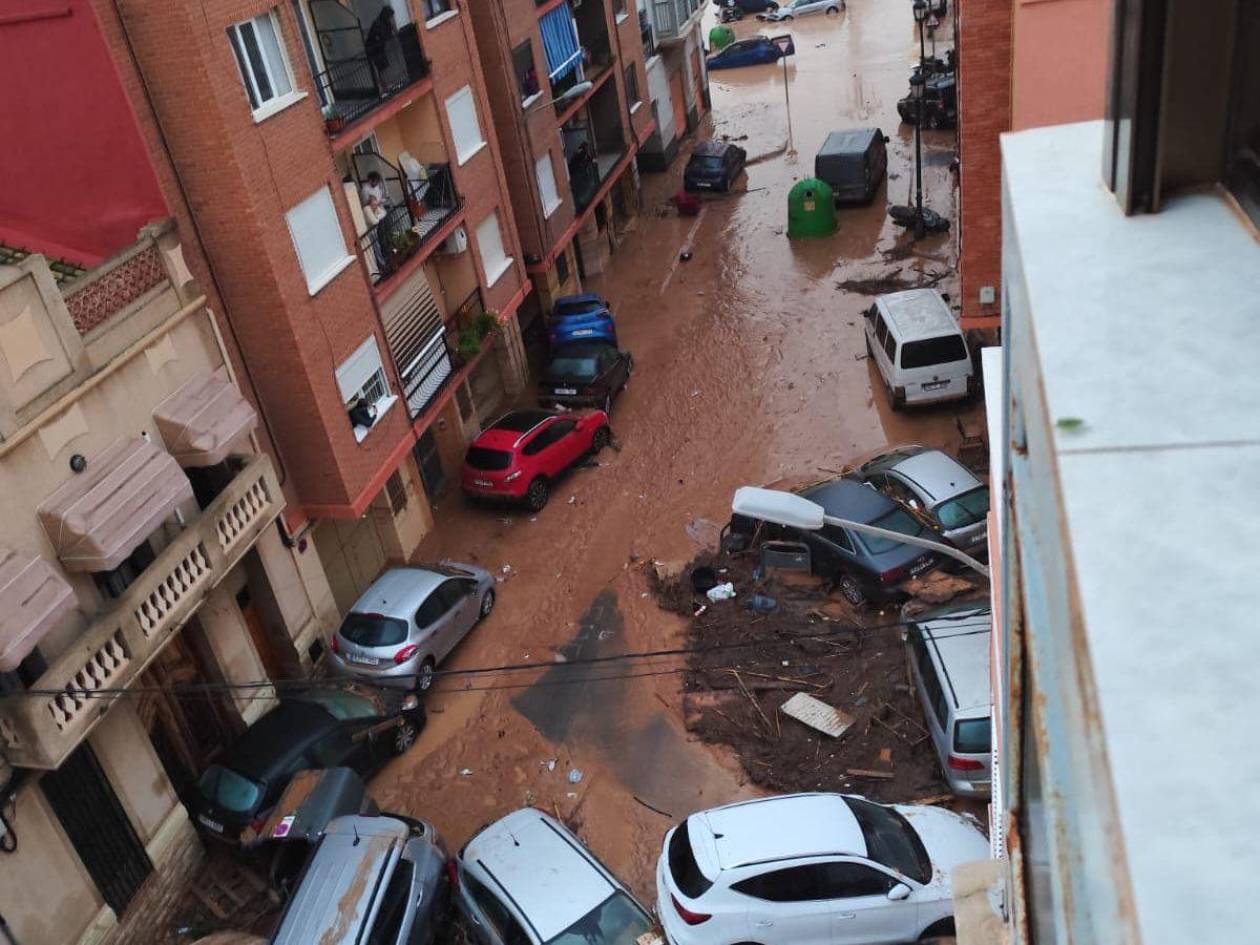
[(869, 774)]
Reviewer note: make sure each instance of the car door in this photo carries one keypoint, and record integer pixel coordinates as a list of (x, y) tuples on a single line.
[(427, 619), (562, 449), (465, 604), (449, 627), (395, 916), (617, 370), (784, 907), (861, 912)]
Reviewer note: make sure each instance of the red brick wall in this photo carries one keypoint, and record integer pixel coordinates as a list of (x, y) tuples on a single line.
[(984, 109)]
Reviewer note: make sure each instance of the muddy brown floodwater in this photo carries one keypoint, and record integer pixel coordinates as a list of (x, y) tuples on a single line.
[(749, 367)]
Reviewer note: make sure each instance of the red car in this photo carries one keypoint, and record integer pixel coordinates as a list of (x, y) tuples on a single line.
[(522, 453)]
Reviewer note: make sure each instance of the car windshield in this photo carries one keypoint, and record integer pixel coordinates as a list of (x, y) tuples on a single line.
[(891, 840), (230, 789), (373, 629), (966, 509), (583, 368), (481, 458), (933, 351), (618, 920), (895, 520), (708, 162), (340, 705), (683, 866), (971, 737)]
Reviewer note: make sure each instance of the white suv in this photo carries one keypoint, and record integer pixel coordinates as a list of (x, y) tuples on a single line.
[(812, 869)]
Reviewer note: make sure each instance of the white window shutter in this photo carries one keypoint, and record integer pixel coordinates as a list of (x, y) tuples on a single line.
[(461, 110), (317, 238), (494, 259), (546, 175), (358, 369)]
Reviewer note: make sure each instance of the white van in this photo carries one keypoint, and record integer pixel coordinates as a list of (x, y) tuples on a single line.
[(917, 346)]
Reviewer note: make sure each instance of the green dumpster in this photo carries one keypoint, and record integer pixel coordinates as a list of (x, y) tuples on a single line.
[(720, 37), (811, 209)]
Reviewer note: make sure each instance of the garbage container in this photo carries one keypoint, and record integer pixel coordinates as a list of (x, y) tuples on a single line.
[(720, 37), (811, 209)]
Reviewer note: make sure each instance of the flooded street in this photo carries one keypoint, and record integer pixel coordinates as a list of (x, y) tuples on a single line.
[(750, 367)]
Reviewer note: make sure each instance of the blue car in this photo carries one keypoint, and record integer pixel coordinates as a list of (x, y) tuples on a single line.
[(581, 318), (752, 52)]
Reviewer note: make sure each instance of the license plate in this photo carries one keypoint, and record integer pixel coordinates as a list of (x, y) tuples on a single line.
[(703, 183), (937, 385), (364, 660), (569, 391), (212, 824), (583, 332), (483, 482)]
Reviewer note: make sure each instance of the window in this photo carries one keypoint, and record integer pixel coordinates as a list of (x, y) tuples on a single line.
[(526, 74), (479, 457), (547, 193), (794, 884), (373, 629), (894, 520), (318, 240), (632, 87), (890, 840), (683, 866), (562, 268), (933, 351), (434, 607), (461, 111), (364, 387), (435, 8), (851, 880), (260, 56), (494, 259), (967, 509), (396, 492), (619, 9), (927, 672), (973, 736), (838, 536), (393, 906), (495, 913), (618, 919)]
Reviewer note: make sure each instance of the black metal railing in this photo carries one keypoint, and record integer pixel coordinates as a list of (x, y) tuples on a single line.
[(424, 380), (645, 33), (409, 225), (369, 75)]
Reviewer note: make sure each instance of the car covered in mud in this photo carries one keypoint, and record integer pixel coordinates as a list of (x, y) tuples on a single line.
[(585, 375), (520, 456), (756, 51), (817, 868), (714, 165)]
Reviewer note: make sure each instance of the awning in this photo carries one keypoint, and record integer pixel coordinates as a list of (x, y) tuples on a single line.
[(98, 518), (33, 597), (560, 41), (203, 420)]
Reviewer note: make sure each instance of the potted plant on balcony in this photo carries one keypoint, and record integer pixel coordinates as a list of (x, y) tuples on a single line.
[(333, 122)]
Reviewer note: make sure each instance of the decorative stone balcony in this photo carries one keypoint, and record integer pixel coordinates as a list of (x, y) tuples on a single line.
[(41, 727)]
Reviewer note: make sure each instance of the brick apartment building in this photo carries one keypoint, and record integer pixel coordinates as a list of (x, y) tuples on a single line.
[(678, 85), (1021, 64), (344, 177), (568, 94)]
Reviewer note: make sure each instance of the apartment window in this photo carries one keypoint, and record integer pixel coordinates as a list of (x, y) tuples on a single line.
[(619, 9), (435, 8), (526, 74), (547, 192), (364, 388), (396, 492), (317, 237), (494, 259), (461, 111), (632, 88), (260, 56), (1242, 149)]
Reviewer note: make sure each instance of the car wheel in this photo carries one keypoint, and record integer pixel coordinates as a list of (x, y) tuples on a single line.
[(424, 681), (833, 11), (601, 438), (538, 494), (787, 18), (933, 122), (849, 588), (487, 604), (941, 929), (404, 737)]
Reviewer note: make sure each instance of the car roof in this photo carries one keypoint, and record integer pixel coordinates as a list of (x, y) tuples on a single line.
[(938, 474), (398, 592), (849, 141), (541, 869), (266, 747), (786, 827), (917, 313), (844, 498), (960, 639), (521, 421), (343, 882)]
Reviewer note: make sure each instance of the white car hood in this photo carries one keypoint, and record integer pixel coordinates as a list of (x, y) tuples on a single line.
[(950, 839)]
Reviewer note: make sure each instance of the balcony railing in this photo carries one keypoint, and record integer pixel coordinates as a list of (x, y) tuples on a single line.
[(673, 17), (424, 380), (409, 225), (645, 33), (360, 82), (40, 730)]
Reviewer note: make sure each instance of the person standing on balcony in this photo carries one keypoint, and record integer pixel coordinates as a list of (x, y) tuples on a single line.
[(376, 44), (373, 189)]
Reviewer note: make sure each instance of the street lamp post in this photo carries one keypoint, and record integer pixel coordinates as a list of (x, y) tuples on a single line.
[(920, 9)]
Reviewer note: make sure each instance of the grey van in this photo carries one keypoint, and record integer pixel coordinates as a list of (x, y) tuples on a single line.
[(371, 879), (948, 650), (853, 162)]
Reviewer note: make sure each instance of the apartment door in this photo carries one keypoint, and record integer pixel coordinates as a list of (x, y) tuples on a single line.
[(430, 462), (84, 801), (679, 103)]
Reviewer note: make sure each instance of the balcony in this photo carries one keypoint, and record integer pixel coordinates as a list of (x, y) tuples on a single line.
[(40, 730), (645, 33), (359, 66), (593, 144), (673, 19), (415, 209)]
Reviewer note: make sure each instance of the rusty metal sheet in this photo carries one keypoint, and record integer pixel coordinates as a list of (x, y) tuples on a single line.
[(817, 714)]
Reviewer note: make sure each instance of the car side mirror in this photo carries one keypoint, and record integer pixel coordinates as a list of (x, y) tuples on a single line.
[(887, 139), (899, 892), (870, 312)]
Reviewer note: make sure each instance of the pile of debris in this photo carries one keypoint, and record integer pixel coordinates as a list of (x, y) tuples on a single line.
[(811, 694)]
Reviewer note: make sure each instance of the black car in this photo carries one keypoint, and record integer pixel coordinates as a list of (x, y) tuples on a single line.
[(348, 726), (864, 567), (714, 165), (940, 103), (585, 375)]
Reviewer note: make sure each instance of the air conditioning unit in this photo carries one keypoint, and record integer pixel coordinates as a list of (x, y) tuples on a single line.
[(456, 243)]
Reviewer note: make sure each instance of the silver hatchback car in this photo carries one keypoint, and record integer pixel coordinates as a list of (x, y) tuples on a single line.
[(938, 489), (409, 620)]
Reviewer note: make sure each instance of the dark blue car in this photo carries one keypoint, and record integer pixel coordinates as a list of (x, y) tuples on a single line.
[(752, 52), (581, 318)]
